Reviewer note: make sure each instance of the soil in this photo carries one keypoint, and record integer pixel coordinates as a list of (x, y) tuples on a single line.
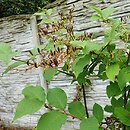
[(7, 128), (2, 127)]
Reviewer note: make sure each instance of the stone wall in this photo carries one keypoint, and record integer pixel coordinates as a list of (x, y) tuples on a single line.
[(18, 31)]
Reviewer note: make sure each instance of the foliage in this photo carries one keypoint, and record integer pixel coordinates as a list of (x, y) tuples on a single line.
[(80, 55), (14, 7), (34, 97)]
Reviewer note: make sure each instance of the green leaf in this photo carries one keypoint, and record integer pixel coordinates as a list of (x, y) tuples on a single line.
[(124, 77), (128, 106), (123, 115), (40, 14), (57, 98), (49, 74), (65, 67), (6, 53), (95, 17), (12, 66), (49, 11), (98, 112), (34, 92), (113, 90), (104, 76), (98, 10), (33, 101), (92, 46), (77, 109), (51, 121), (81, 78), (127, 127), (46, 21), (78, 43), (111, 47), (102, 69), (89, 124), (27, 106), (109, 108), (80, 63), (112, 70), (116, 22), (107, 12), (117, 102), (111, 34), (50, 46)]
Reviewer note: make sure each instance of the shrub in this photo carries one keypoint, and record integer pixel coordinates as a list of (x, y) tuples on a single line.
[(15, 7), (80, 56)]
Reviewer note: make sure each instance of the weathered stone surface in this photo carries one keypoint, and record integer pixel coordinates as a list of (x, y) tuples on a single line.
[(17, 31)]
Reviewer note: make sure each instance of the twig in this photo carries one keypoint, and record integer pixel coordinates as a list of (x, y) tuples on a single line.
[(89, 66), (85, 102), (65, 73), (64, 112), (125, 102)]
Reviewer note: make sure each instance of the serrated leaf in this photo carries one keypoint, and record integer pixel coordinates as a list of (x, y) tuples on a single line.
[(77, 109), (12, 66), (123, 77), (27, 106), (113, 90), (57, 98), (80, 63), (34, 92), (49, 74), (112, 70), (98, 112), (51, 121), (123, 115), (89, 124), (6, 53)]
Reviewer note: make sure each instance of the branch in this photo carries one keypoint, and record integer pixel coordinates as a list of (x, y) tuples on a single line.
[(24, 61), (128, 95), (65, 73), (98, 55), (85, 102), (64, 112)]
